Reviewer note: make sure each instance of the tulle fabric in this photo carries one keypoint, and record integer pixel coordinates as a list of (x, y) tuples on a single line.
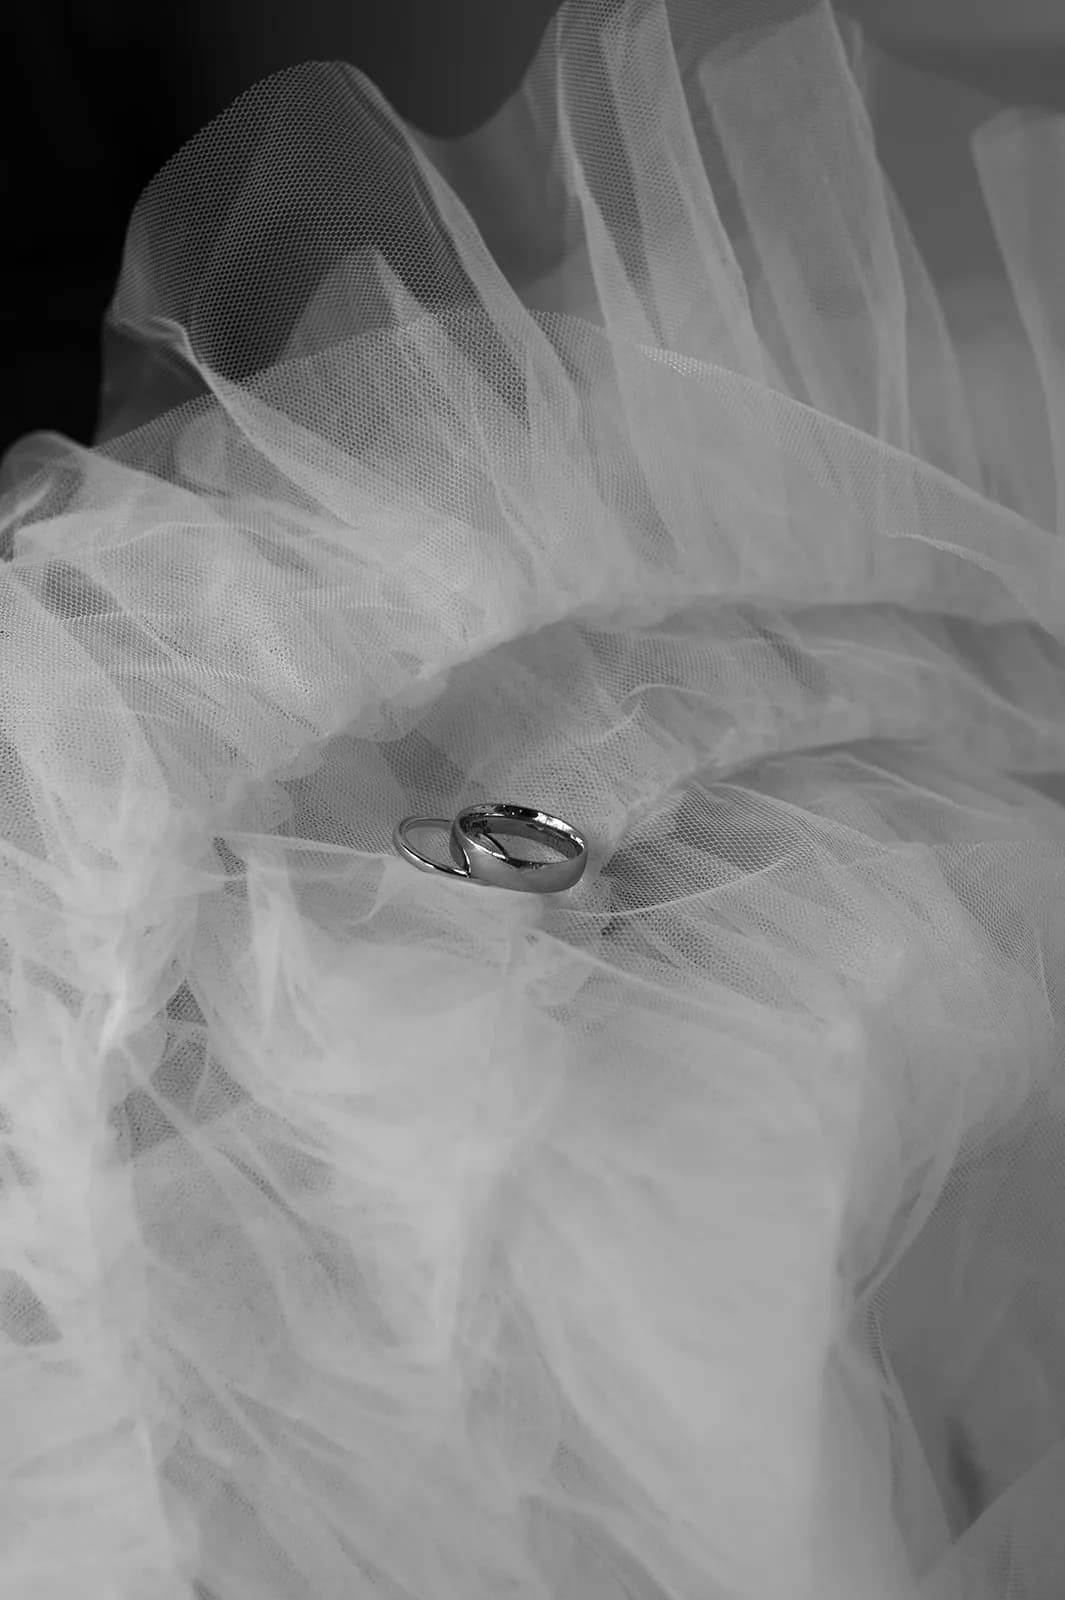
[(697, 1233)]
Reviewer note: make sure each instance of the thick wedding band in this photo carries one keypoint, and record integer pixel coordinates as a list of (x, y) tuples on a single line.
[(476, 831), (479, 857)]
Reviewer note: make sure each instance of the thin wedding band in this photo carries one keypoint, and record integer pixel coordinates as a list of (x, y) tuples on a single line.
[(404, 848)]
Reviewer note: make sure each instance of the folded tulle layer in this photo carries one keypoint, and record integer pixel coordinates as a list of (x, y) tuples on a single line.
[(696, 1232)]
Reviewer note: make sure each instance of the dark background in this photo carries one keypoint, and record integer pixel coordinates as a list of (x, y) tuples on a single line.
[(99, 93)]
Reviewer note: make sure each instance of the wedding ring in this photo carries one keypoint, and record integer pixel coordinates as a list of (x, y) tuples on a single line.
[(478, 856)]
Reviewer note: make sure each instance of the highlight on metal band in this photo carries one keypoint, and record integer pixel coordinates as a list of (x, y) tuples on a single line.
[(478, 856)]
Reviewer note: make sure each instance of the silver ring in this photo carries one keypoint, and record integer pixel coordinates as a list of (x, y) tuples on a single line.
[(478, 856)]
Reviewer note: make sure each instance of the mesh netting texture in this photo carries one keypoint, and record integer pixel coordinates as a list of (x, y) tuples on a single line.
[(696, 1234)]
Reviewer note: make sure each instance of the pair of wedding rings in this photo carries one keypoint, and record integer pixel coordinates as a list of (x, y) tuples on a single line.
[(477, 856)]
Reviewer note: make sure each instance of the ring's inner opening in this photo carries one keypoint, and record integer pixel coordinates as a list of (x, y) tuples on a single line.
[(537, 846)]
